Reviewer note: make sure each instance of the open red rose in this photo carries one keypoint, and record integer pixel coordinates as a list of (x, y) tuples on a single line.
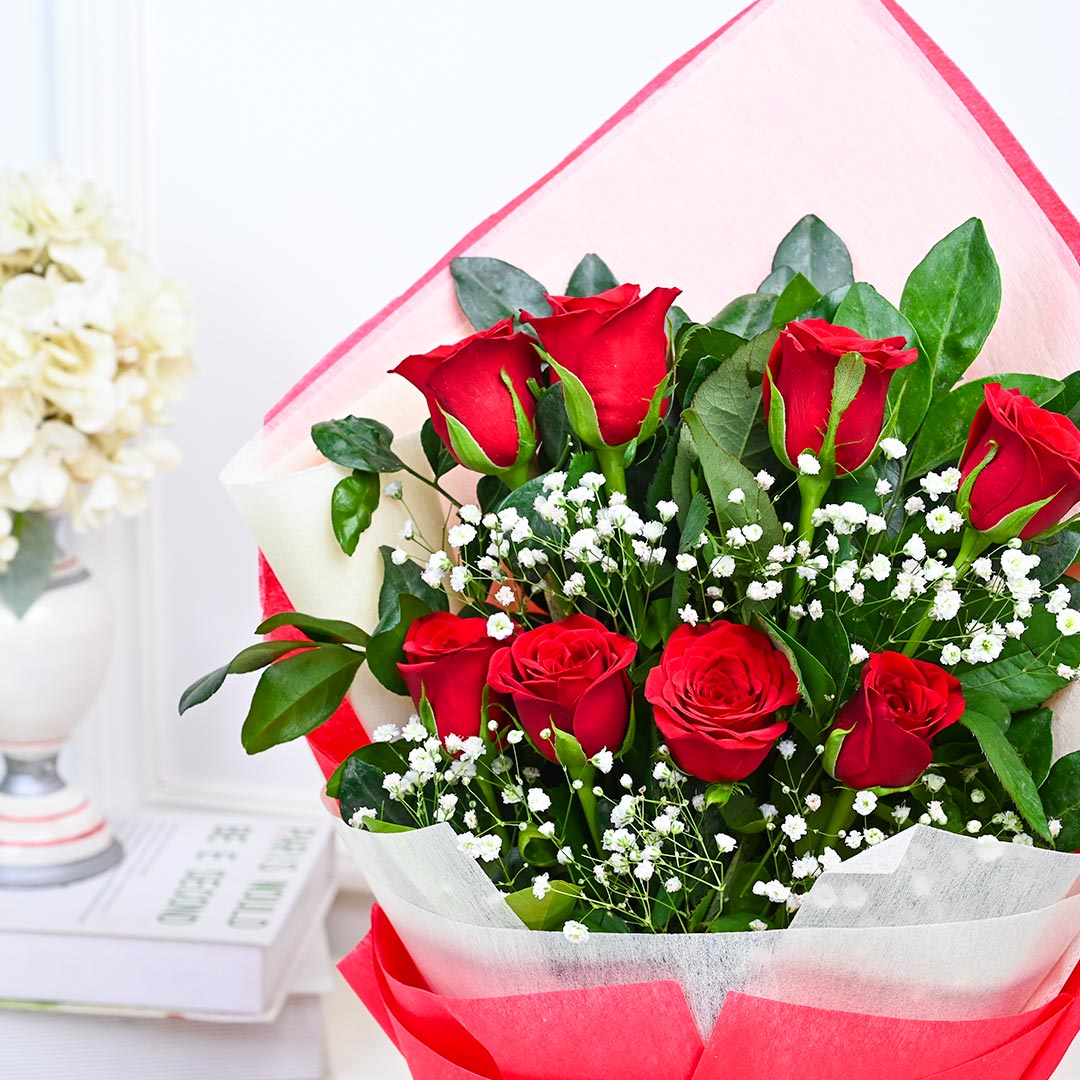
[(715, 695), (802, 365), (616, 344), (569, 675), (900, 706), (1037, 457), (466, 381), (446, 660)]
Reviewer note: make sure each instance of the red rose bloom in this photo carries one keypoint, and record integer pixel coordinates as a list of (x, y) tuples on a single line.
[(570, 675), (616, 344), (1038, 457), (901, 705), (466, 382), (802, 366), (715, 694), (446, 660)]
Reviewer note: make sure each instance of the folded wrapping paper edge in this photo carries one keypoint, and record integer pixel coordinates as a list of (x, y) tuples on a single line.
[(1039, 1041)]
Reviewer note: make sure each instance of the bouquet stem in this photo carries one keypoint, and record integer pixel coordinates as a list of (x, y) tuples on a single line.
[(611, 464)]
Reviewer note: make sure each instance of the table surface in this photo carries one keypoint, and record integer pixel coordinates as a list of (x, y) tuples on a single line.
[(358, 1049)]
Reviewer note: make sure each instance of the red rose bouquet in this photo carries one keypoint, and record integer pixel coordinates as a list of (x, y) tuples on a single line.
[(729, 675)]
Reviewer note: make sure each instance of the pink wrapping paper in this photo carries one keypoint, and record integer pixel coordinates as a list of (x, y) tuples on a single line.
[(644, 1031)]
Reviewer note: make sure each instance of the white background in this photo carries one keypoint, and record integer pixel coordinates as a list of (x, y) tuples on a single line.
[(300, 164)]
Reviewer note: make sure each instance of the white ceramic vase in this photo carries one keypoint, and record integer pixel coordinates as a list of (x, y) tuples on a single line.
[(52, 664)]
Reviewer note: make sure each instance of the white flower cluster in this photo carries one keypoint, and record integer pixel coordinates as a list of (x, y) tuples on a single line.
[(93, 347)]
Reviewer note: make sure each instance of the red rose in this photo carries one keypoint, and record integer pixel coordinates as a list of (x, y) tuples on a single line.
[(715, 694), (616, 344), (446, 660), (1038, 457), (802, 366), (570, 675), (466, 381), (901, 705)]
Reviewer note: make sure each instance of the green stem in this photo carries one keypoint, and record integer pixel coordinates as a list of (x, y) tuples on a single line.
[(432, 484), (611, 464), (843, 814), (971, 547), (813, 490), (516, 475), (588, 804)]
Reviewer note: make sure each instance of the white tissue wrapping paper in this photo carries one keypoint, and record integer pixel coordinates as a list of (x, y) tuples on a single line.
[(928, 925)]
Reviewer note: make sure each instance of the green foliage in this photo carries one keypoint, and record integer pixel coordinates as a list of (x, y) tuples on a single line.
[(952, 299), (28, 574), (435, 450), (549, 913), (253, 658), (796, 299), (384, 651), (352, 504), (1020, 681), (1061, 798), (1031, 734), (329, 631), (590, 277), (746, 316), (359, 783), (357, 443), (490, 290), (701, 350), (553, 426), (812, 249), (404, 580)]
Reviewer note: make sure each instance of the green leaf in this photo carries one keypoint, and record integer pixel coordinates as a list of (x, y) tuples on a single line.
[(723, 472), (701, 350), (28, 574), (1031, 734), (252, 658), (815, 683), (797, 298), (553, 425), (590, 277), (947, 425), (1019, 681), (776, 280), (952, 299), (815, 251), (741, 813), (435, 450), (1068, 401), (864, 310), (354, 500), (330, 631), (360, 785), (1056, 555), (551, 912), (694, 522), (357, 443), (746, 316), (828, 305), (827, 640), (733, 922), (490, 290), (1006, 763), (719, 794), (1061, 798), (297, 694), (404, 580), (568, 750), (384, 651), (537, 849)]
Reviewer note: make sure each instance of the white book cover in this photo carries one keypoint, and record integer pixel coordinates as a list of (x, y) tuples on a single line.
[(206, 913)]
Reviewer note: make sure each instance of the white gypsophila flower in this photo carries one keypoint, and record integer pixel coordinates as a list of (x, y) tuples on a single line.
[(414, 730), (1057, 602), (882, 488), (942, 520), (645, 870), (1065, 672), (360, 815), (815, 609), (786, 748), (853, 839), (808, 465), (859, 653), (460, 535), (459, 578), (773, 890), (604, 760), (832, 544), (575, 932), (933, 782), (901, 813), (736, 495), (725, 844), (914, 505), (672, 885), (764, 480), (1015, 628), (393, 490), (794, 827), (500, 626), (667, 509), (983, 568), (685, 561), (893, 449), (865, 803), (829, 858), (937, 812), (1068, 622), (1054, 828), (385, 733), (505, 597), (1018, 564), (812, 802), (876, 524), (879, 567), (758, 925), (873, 836), (689, 615), (950, 654), (977, 796), (722, 567), (541, 886), (574, 585), (946, 603), (768, 811), (753, 532), (804, 867), (651, 530), (974, 826)]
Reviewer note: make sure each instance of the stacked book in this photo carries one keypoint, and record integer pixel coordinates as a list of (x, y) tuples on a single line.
[(201, 954)]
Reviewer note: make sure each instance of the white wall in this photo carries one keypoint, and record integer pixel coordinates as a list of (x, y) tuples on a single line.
[(299, 164)]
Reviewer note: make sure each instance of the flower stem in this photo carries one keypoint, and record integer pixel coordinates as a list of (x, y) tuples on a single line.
[(516, 475), (971, 547), (812, 489), (588, 804), (843, 814), (611, 464)]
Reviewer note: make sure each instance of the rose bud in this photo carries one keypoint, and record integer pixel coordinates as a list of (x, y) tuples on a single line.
[(1017, 456), (446, 661), (900, 706), (799, 376), (715, 695), (478, 395), (570, 675), (610, 351)]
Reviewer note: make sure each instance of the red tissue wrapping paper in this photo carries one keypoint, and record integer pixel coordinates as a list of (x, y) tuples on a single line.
[(644, 1031), (731, 99)]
